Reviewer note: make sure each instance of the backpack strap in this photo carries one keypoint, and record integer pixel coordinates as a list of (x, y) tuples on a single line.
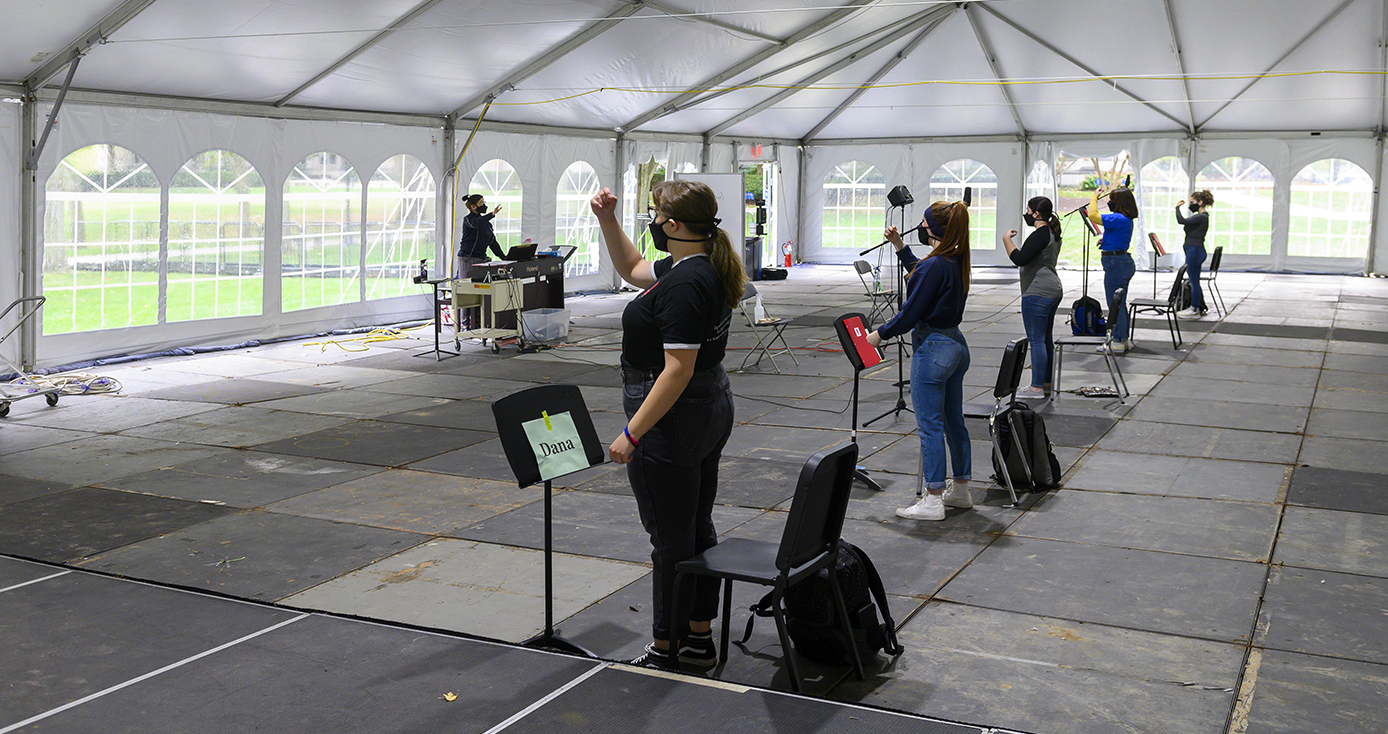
[(879, 593), (760, 609)]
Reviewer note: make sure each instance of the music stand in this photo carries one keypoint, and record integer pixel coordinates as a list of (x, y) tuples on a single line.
[(899, 198), (852, 330), (1157, 251), (512, 412)]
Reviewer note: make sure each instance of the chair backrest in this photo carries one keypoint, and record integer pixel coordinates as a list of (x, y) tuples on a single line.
[(749, 291), (1215, 257), (1014, 362), (863, 267), (1175, 294), (816, 514)]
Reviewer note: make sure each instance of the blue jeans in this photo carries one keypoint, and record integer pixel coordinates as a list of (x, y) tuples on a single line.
[(938, 363), (1038, 319), (1195, 257), (1118, 270)]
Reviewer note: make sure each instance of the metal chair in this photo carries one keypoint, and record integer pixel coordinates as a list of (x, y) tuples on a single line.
[(1115, 372), (1014, 361), (809, 543), (1209, 284), (768, 331), (882, 301), (1167, 308)]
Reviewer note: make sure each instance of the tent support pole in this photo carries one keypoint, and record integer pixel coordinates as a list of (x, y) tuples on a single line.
[(619, 163), (28, 231), (1374, 229)]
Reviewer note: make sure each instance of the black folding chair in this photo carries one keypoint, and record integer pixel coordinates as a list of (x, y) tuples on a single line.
[(809, 543), (1105, 343), (1014, 361), (882, 301), (1208, 282), (1167, 308)]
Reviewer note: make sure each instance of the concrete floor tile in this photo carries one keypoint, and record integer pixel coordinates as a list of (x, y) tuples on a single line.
[(1351, 542), (1225, 390), (1325, 613), (1348, 424), (1222, 414), (99, 458), (241, 478), (1337, 489), (1176, 476), (350, 404), (19, 437), (476, 588), (1343, 453), (237, 426), (1197, 441), (1294, 693), (112, 413)]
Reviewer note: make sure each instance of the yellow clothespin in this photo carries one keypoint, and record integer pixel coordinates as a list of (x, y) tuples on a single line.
[(548, 427)]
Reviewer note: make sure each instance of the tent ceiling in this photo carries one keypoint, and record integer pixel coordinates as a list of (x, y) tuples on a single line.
[(1248, 65)]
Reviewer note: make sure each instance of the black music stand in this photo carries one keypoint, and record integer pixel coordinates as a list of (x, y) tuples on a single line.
[(855, 358), (512, 412), (899, 198)]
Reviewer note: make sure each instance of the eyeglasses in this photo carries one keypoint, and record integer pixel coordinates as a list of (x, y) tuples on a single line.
[(651, 213)]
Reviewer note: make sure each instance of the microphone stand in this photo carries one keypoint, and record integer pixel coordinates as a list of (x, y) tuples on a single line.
[(901, 381)]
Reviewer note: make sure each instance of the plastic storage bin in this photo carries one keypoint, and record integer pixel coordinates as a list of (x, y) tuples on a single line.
[(545, 324)]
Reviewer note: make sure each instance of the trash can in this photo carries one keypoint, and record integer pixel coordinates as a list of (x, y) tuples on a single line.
[(751, 257)]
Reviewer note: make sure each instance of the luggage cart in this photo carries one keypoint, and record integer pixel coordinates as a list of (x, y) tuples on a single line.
[(23, 386)]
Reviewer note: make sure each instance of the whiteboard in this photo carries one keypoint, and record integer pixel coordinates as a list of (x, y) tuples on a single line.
[(730, 190)]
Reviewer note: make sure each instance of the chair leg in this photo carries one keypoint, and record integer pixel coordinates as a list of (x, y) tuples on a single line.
[(1055, 377), (727, 619), (1220, 309), (672, 606), (1111, 362), (1021, 451), (777, 597), (843, 617), (780, 333), (1006, 477)]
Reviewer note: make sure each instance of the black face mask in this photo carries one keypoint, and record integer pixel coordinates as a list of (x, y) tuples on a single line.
[(481, 209), (1194, 208), (661, 241), (1112, 207), (1029, 219)]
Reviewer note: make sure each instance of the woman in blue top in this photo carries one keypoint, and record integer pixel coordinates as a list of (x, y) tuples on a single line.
[(936, 290), (1114, 256)]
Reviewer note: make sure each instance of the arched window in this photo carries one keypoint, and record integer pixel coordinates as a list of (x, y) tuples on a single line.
[(499, 183), (321, 246), (1041, 182), (1164, 182), (216, 238), (1241, 219), (855, 202), (947, 184), (400, 231), (101, 242), (1332, 210), (574, 223)]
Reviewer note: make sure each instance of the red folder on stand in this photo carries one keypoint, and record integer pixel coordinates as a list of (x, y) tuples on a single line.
[(867, 355)]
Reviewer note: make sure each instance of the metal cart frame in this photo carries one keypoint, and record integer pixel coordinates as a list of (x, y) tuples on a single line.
[(23, 386)]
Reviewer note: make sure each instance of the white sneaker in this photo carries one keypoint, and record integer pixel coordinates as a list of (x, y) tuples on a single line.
[(1118, 348), (930, 507), (1189, 314), (956, 495), (1030, 393)]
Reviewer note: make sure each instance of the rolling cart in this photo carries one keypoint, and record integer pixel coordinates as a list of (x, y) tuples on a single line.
[(493, 297), (23, 386)]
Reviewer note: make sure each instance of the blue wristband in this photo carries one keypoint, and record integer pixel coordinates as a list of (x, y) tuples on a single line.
[(627, 433)]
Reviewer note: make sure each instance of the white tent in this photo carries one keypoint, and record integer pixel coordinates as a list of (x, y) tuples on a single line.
[(842, 99)]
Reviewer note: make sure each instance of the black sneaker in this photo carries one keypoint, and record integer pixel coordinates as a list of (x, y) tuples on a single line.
[(698, 649), (656, 658)]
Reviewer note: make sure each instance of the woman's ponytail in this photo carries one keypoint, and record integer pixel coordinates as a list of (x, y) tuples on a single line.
[(725, 261), (955, 242)]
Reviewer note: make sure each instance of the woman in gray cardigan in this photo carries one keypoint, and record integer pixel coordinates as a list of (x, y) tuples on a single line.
[(1041, 289)]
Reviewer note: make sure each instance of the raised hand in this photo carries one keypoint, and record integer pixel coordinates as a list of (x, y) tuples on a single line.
[(604, 204)]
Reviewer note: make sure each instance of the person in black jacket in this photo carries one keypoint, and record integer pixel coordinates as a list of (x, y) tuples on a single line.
[(478, 235), (1197, 226)]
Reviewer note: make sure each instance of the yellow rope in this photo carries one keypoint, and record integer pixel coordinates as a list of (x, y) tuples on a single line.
[(375, 336)]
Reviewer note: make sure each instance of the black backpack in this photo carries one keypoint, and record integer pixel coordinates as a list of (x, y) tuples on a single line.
[(1087, 317), (813, 622), (1183, 300), (1040, 455)]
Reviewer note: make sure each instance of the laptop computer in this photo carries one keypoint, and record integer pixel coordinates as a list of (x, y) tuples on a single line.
[(520, 253)]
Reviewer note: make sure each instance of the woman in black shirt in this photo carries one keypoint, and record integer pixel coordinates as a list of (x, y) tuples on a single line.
[(478, 235), (1197, 226), (677, 398)]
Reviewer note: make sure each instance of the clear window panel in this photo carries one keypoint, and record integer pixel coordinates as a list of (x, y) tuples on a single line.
[(855, 202), (1041, 182), (321, 241), (947, 184), (101, 242), (216, 250), (1164, 182), (1241, 219), (1332, 210), (574, 223), (498, 181), (400, 232)]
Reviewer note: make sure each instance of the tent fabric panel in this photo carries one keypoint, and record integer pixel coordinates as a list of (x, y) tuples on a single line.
[(32, 28), (10, 208)]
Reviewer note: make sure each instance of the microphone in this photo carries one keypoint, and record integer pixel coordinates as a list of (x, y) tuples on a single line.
[(968, 195), (1127, 182)]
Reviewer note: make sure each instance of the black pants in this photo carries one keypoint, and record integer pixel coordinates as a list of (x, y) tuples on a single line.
[(674, 475)]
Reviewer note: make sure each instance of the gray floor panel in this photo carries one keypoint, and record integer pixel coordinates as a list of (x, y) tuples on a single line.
[(1348, 424), (1343, 453), (254, 555), (1258, 373), (60, 646), (1216, 390), (1301, 693), (242, 478), (69, 526), (1238, 357), (473, 415), (233, 391), (1221, 414), (236, 363), (1039, 674), (113, 413), (990, 513), (1262, 342), (14, 571), (1240, 531), (1370, 363), (1197, 441), (546, 372), (1325, 613), (336, 376), (1337, 489), (777, 386), (18, 489), (413, 501), (19, 437), (350, 404), (376, 442), (609, 697), (1177, 476), (1159, 592), (366, 678), (237, 426), (448, 386), (483, 460), (798, 444), (589, 524), (1352, 542)]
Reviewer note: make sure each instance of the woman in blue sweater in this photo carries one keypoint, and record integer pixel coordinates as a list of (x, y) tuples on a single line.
[(1115, 257), (936, 289)]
